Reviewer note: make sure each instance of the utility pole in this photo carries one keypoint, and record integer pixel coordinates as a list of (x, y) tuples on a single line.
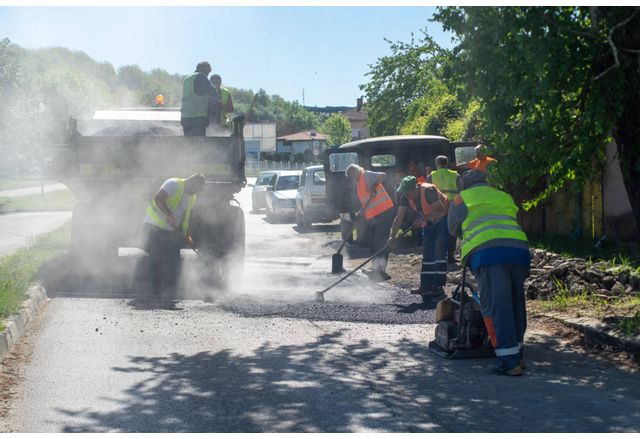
[(303, 96)]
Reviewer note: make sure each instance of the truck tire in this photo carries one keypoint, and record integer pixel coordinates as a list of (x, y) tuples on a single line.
[(92, 242), (220, 239)]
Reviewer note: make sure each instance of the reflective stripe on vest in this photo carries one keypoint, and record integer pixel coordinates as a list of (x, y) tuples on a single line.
[(427, 209), (380, 203), (160, 219), (445, 180), (192, 104), (491, 215)]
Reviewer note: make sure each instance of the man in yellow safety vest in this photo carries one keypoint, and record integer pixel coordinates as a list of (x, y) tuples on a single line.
[(166, 228), (224, 101), (447, 182), (497, 250), (197, 91)]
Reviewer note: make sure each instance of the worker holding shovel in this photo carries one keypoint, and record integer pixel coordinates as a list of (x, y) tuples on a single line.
[(378, 208), (168, 213), (431, 205)]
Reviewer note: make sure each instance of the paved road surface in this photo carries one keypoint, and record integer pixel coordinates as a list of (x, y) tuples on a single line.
[(267, 358), (32, 190), (18, 229)]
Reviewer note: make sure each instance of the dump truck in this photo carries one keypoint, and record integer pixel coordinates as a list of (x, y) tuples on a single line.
[(115, 163)]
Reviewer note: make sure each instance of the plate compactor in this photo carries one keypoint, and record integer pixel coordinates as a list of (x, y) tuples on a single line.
[(460, 332)]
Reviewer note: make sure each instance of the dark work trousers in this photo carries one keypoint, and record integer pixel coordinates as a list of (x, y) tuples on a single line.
[(164, 257), (452, 249), (379, 237), (504, 310), (194, 126), (435, 242)]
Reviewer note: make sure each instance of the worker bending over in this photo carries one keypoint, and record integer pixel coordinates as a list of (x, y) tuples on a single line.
[(431, 206), (378, 209), (448, 182), (497, 250), (166, 229)]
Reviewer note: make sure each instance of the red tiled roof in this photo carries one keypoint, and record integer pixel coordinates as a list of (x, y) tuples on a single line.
[(303, 136)]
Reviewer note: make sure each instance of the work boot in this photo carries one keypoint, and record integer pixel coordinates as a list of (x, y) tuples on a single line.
[(513, 372)]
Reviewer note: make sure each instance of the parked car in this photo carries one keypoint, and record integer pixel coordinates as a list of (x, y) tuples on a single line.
[(310, 199), (259, 192), (281, 194)]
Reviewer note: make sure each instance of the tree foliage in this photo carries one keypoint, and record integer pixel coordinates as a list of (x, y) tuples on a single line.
[(397, 80), (337, 128), (554, 85)]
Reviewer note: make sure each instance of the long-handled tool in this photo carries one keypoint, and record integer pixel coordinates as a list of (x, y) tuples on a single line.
[(320, 294), (337, 260)]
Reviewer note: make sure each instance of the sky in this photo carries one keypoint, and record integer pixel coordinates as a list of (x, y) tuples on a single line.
[(324, 51)]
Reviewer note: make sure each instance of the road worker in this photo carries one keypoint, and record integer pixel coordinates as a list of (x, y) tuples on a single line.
[(378, 210), (447, 182), (497, 250), (224, 101), (197, 91), (431, 206), (481, 162), (166, 229)]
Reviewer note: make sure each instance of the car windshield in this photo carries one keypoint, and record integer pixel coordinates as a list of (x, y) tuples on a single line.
[(263, 180), (286, 182)]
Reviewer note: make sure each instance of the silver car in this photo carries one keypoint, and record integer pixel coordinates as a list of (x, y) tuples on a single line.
[(259, 192), (281, 195)]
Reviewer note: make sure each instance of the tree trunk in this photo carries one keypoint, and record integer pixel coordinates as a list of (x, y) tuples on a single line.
[(627, 128)]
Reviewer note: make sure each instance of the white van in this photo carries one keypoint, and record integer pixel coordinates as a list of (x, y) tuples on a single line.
[(311, 204)]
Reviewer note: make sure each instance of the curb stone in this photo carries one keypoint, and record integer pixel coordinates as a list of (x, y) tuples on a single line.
[(17, 324), (597, 332)]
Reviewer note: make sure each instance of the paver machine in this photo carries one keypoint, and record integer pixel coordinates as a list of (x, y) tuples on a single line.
[(115, 163)]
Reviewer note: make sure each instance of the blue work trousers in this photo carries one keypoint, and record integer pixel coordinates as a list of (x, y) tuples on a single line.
[(435, 243), (504, 311)]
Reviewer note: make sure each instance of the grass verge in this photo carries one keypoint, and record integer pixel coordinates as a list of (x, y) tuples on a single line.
[(17, 270), (57, 200), (7, 184)]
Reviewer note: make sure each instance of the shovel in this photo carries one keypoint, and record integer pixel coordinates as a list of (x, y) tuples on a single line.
[(320, 294), (337, 260)]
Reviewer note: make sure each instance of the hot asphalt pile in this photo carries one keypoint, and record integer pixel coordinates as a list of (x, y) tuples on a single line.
[(401, 308)]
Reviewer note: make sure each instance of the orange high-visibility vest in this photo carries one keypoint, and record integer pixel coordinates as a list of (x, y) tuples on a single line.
[(380, 203), (427, 210)]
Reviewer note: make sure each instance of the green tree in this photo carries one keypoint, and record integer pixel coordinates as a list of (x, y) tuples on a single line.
[(397, 80), (554, 84), (337, 128)]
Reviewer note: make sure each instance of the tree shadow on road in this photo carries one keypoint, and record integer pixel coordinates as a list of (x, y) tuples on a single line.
[(338, 384)]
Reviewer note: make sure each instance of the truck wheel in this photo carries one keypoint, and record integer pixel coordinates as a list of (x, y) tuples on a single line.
[(232, 263), (222, 245), (92, 244)]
